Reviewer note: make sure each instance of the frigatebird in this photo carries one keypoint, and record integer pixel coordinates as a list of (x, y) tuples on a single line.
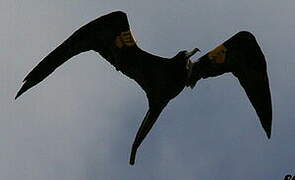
[(162, 79)]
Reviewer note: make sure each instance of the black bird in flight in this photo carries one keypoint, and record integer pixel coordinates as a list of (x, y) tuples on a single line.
[(162, 79)]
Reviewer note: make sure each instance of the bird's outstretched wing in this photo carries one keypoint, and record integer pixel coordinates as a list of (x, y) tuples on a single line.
[(109, 35), (242, 56)]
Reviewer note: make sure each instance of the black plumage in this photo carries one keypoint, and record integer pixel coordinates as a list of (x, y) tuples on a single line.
[(242, 56), (162, 79)]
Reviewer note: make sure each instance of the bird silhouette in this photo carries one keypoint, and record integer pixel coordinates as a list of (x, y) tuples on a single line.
[(161, 78)]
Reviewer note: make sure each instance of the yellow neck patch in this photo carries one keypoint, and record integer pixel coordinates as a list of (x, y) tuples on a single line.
[(218, 54), (124, 39)]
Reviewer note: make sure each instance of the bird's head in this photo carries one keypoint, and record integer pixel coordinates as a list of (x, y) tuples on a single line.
[(186, 54)]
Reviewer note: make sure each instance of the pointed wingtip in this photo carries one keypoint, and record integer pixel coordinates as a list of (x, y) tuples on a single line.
[(268, 134), (19, 93), (27, 85), (267, 128)]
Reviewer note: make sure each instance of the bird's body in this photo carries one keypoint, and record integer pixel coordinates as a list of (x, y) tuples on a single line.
[(162, 79)]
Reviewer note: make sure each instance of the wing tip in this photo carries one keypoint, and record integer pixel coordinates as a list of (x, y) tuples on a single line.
[(267, 127), (21, 91), (27, 85), (268, 132), (266, 120), (17, 95)]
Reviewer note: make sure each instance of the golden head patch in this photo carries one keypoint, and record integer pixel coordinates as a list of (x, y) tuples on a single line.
[(124, 39), (218, 54)]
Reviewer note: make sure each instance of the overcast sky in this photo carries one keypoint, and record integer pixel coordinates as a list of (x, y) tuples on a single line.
[(81, 121)]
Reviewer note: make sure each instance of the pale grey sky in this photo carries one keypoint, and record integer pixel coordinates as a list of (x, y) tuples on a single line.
[(81, 121)]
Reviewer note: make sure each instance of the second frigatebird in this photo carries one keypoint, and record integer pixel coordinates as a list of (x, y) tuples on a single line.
[(162, 79)]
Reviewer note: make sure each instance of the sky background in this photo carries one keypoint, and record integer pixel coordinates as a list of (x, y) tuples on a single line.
[(81, 121)]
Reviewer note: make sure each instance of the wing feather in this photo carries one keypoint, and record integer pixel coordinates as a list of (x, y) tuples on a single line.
[(242, 56), (101, 35)]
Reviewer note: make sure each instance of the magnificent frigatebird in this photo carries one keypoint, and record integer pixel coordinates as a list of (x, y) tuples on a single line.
[(162, 79)]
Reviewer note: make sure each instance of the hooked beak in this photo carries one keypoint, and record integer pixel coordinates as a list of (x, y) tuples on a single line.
[(190, 54)]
